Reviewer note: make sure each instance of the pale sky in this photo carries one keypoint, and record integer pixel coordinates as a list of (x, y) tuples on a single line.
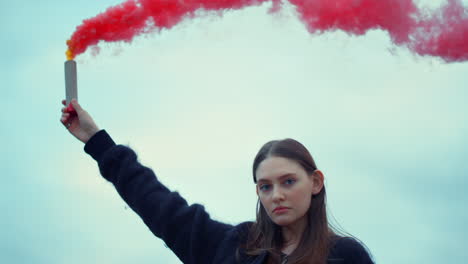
[(388, 129)]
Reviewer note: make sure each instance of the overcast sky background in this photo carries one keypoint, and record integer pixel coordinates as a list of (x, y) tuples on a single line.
[(387, 128)]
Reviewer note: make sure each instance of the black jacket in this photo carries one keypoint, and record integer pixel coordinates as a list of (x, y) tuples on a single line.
[(187, 230)]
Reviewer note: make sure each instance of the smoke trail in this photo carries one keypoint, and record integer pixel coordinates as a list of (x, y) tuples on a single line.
[(133, 17), (442, 33)]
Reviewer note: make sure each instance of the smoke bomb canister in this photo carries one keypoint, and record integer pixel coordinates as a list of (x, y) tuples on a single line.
[(71, 89)]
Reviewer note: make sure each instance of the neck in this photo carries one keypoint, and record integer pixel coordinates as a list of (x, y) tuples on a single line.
[(292, 235)]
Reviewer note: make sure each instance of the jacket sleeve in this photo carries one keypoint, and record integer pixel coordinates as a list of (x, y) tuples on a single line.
[(187, 230)]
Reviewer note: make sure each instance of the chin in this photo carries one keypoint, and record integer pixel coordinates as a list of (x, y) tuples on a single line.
[(283, 221)]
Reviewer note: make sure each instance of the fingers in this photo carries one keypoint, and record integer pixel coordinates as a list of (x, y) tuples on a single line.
[(76, 105), (64, 102), (67, 108), (65, 115), (65, 120)]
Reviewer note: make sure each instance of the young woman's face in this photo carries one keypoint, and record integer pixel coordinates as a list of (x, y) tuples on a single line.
[(285, 189)]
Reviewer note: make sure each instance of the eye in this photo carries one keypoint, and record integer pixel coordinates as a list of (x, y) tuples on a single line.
[(264, 187), (289, 181)]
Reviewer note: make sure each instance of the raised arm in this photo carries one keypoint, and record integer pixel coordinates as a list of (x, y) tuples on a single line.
[(187, 230)]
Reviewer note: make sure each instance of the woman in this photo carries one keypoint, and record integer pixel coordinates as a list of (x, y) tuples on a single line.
[(291, 225)]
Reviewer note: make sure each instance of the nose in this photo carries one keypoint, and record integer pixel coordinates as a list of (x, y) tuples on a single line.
[(278, 195)]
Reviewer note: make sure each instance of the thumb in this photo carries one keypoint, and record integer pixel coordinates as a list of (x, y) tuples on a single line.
[(76, 106)]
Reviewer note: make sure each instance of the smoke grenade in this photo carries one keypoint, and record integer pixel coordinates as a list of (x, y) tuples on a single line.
[(71, 89)]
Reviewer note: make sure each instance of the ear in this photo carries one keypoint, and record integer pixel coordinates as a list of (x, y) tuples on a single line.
[(256, 189), (318, 180)]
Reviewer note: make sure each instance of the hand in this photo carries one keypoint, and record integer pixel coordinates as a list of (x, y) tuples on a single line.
[(78, 122)]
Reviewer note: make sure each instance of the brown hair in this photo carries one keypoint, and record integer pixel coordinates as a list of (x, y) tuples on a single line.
[(265, 235)]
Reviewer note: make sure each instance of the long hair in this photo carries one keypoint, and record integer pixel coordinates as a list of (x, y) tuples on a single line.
[(265, 235)]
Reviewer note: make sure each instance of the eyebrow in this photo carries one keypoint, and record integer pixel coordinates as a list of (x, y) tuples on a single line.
[(280, 177)]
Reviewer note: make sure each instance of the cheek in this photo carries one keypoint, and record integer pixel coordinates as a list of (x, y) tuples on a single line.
[(264, 201), (267, 205), (303, 199)]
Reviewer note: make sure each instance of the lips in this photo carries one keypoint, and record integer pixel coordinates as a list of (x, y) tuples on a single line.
[(280, 209)]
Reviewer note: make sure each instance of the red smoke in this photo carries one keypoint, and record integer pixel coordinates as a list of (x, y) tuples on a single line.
[(442, 33)]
